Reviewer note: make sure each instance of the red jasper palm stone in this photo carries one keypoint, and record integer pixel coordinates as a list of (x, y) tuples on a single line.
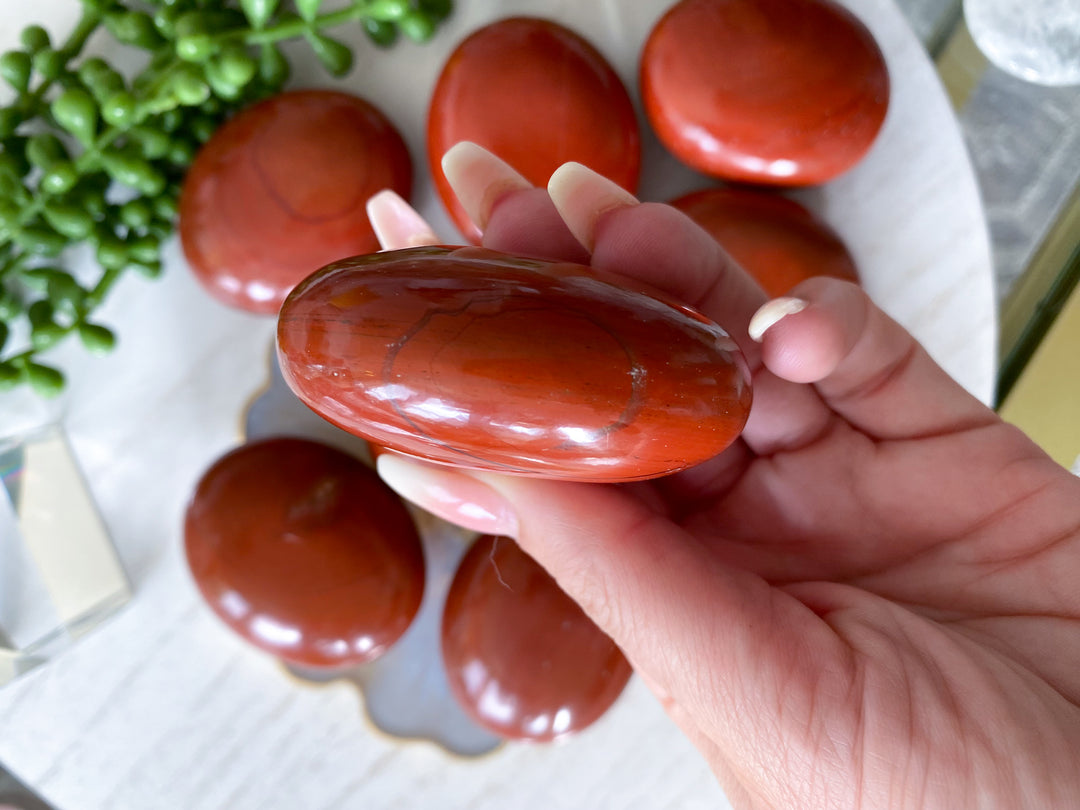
[(537, 95), (478, 359), (521, 657), (280, 190), (303, 551), (775, 239), (778, 92)]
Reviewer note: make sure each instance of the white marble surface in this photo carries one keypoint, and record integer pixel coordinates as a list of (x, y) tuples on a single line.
[(163, 708)]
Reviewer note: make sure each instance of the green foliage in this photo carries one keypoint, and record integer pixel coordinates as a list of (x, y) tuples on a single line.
[(259, 12), (77, 112), (388, 10), (334, 56), (35, 38), (382, 33), (417, 26), (96, 338), (15, 67), (79, 131), (308, 9), (47, 381)]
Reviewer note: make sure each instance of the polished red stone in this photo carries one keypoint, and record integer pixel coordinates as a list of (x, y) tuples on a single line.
[(304, 552), (775, 239), (280, 190), (522, 658), (537, 95), (781, 92), (474, 358)]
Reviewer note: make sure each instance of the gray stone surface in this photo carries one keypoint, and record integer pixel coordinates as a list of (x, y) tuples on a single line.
[(931, 19), (1024, 141)]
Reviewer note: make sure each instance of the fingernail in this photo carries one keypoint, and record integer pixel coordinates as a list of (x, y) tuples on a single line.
[(771, 313), (479, 179), (582, 196), (396, 223), (451, 495)]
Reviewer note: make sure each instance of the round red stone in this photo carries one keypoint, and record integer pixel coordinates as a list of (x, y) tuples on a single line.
[(303, 551), (779, 92), (280, 190)]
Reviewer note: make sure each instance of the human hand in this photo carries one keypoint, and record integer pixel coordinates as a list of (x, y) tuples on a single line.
[(868, 601)]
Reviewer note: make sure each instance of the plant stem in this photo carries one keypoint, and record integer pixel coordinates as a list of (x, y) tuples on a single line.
[(13, 264), (296, 26), (86, 26), (89, 21)]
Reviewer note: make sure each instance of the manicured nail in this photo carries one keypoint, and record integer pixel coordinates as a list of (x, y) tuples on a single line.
[(771, 313), (479, 179), (451, 495), (396, 223), (582, 196)]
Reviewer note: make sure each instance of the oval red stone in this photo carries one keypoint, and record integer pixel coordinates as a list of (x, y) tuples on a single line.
[(470, 357), (537, 95), (521, 657)]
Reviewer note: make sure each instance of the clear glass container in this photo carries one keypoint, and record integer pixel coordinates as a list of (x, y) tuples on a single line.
[(60, 576)]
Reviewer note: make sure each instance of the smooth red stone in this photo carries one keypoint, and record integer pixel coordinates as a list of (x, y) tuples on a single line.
[(778, 92), (304, 552), (522, 658), (280, 190), (775, 239), (474, 358), (537, 95)]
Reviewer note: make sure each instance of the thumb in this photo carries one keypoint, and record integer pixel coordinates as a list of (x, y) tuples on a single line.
[(718, 640)]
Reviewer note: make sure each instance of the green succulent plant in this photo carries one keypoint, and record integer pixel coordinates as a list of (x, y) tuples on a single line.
[(88, 155)]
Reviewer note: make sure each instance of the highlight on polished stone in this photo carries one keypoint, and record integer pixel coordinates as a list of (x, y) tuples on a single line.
[(478, 359), (523, 659), (302, 550)]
